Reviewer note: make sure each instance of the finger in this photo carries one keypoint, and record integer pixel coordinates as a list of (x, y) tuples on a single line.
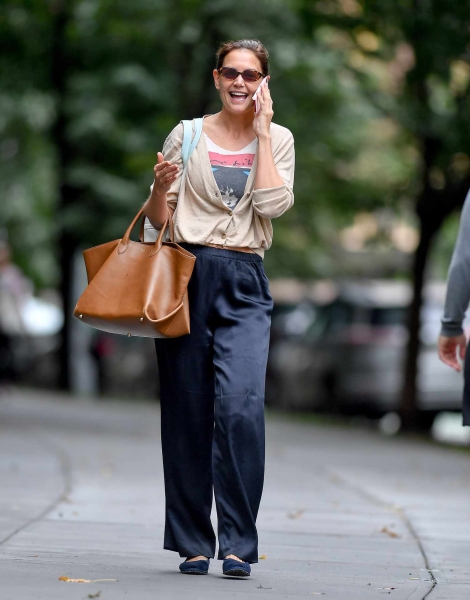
[(268, 98), (463, 351), (266, 91), (160, 157), (163, 164), (451, 362), (448, 355), (170, 174), (165, 167)]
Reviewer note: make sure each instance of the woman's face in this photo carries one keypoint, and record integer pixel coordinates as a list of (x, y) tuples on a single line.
[(240, 60)]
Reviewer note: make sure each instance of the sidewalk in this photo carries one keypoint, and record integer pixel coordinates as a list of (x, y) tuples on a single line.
[(346, 514)]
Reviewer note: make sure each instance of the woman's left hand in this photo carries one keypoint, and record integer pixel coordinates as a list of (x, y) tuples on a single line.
[(263, 118)]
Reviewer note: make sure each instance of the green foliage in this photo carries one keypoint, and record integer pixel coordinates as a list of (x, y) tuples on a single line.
[(134, 69)]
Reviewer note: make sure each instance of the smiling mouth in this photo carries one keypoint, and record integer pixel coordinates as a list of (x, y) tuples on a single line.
[(238, 95)]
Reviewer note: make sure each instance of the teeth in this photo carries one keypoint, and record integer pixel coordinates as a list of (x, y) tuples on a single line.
[(238, 94)]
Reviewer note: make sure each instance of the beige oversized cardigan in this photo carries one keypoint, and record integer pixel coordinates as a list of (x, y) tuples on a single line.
[(201, 216)]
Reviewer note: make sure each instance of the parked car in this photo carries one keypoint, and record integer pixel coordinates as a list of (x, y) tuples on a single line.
[(351, 357)]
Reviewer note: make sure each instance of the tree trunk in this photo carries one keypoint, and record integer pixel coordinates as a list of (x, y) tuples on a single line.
[(433, 207), (59, 68), (409, 411)]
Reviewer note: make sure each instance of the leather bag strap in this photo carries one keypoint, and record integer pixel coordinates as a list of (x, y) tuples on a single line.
[(170, 225), (124, 243)]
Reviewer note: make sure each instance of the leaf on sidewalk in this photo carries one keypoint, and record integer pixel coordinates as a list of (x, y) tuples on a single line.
[(297, 514), (97, 595), (389, 532), (263, 557), (389, 588), (69, 580)]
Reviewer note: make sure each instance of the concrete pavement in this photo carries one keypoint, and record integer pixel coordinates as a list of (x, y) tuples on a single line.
[(346, 513)]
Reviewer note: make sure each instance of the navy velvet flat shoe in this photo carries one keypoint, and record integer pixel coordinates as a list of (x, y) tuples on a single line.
[(235, 568), (195, 567)]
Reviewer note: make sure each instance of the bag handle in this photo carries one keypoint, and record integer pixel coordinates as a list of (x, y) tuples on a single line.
[(171, 227), (124, 243)]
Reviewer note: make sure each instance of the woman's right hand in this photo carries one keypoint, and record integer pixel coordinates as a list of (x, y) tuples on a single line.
[(165, 174)]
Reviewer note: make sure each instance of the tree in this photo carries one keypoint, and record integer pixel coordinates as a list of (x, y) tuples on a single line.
[(107, 81), (412, 61)]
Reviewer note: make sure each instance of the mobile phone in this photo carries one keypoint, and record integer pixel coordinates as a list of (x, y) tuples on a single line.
[(264, 82)]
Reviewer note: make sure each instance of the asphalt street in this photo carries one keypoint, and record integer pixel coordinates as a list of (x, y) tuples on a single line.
[(346, 513)]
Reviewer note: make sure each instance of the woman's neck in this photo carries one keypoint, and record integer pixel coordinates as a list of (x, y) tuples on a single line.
[(234, 125)]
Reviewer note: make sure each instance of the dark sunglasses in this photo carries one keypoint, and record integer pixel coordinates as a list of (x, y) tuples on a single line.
[(249, 75)]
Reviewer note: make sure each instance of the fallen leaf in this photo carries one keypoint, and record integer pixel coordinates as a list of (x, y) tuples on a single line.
[(69, 580), (386, 588), (414, 578), (260, 587), (263, 557), (297, 514), (392, 534), (97, 595)]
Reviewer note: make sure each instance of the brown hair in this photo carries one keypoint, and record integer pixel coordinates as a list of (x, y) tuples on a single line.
[(254, 45)]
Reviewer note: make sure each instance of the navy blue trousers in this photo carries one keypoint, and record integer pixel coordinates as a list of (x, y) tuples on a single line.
[(212, 385)]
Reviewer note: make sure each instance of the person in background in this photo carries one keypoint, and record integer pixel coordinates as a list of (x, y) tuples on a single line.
[(14, 287), (452, 342)]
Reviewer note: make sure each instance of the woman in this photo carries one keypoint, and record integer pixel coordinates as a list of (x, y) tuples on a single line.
[(239, 177)]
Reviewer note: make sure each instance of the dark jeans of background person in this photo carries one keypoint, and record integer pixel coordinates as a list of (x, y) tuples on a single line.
[(212, 407), (466, 389)]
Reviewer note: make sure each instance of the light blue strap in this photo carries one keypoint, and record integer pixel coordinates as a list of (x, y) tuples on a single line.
[(190, 142)]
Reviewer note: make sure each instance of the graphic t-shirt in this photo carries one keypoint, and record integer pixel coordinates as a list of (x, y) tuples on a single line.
[(231, 169)]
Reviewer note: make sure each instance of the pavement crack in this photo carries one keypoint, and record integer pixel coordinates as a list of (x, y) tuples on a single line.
[(66, 472), (375, 500)]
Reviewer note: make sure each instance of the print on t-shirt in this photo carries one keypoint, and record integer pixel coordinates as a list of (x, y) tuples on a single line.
[(231, 170)]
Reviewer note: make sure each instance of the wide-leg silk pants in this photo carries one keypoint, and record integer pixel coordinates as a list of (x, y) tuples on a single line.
[(212, 385)]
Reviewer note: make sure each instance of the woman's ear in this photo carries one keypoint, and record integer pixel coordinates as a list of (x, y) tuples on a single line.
[(216, 79)]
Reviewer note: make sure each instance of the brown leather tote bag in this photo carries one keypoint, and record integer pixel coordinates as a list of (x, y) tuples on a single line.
[(137, 288)]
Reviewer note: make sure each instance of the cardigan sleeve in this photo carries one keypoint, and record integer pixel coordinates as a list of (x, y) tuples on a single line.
[(273, 202), (172, 152), (458, 279)]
